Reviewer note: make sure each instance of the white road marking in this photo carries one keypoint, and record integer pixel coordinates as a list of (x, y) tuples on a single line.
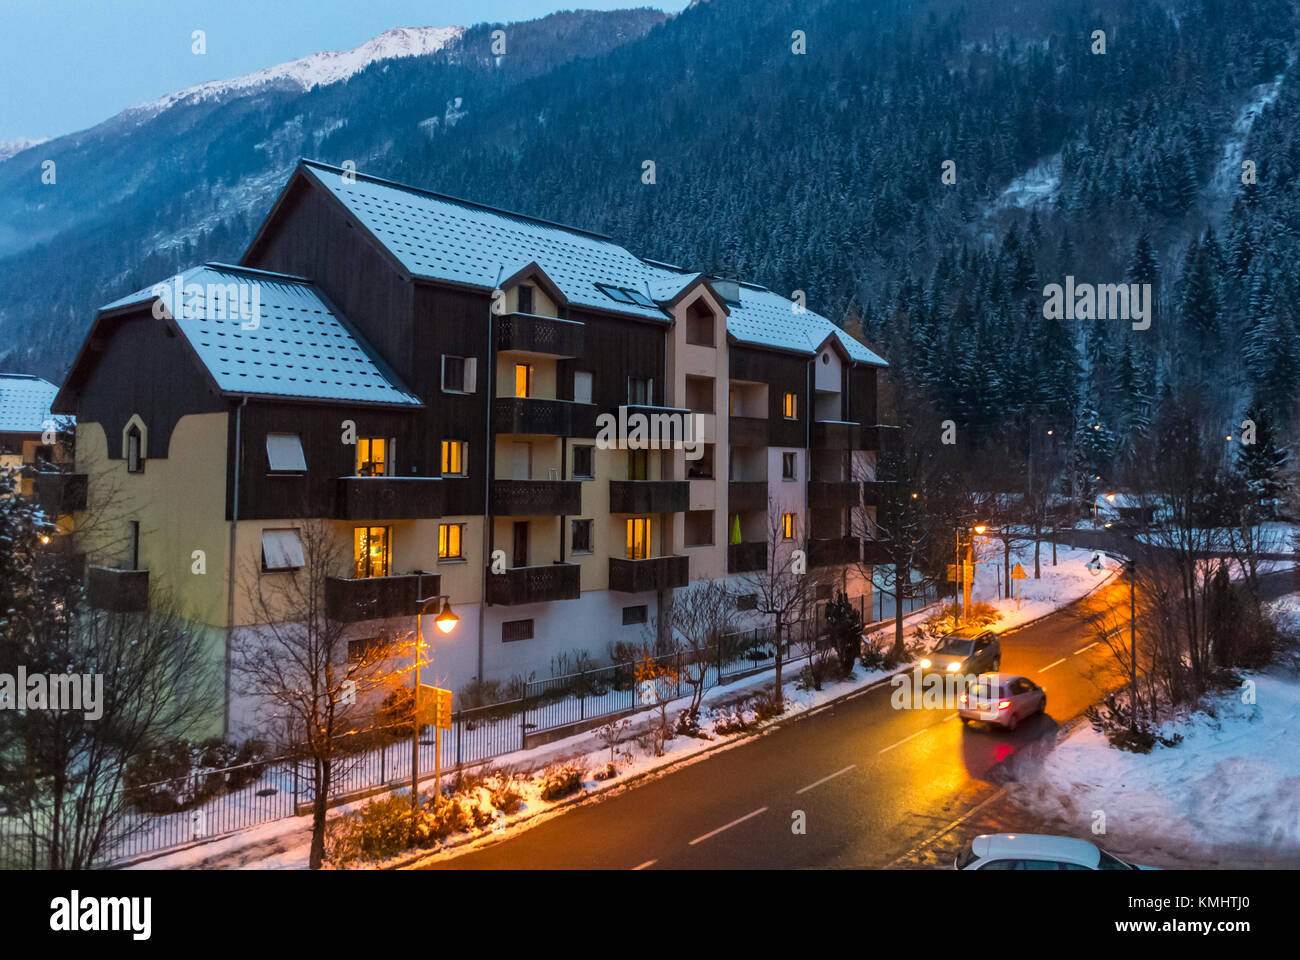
[(956, 823), (1087, 648), (824, 779), (1050, 665), (714, 833), (646, 864), (917, 734)]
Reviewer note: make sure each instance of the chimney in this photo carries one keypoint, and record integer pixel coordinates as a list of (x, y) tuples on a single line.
[(729, 290)]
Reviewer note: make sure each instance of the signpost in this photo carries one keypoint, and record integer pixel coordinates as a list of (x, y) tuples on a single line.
[(435, 710), (1017, 575)]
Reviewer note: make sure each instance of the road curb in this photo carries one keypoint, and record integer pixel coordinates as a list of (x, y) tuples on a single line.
[(1065, 606), (598, 793)]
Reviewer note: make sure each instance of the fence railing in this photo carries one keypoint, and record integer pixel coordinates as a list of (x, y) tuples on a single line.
[(209, 803)]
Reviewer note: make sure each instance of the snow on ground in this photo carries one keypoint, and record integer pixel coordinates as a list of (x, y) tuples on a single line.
[(1037, 185), (284, 844), (1232, 782), (1064, 583)]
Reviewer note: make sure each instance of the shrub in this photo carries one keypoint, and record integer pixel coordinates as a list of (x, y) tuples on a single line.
[(875, 655), (688, 725), (766, 703), (505, 793), (180, 774), (559, 782), (608, 772)]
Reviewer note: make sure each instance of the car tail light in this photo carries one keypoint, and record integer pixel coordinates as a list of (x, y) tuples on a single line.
[(1004, 704), (962, 698)]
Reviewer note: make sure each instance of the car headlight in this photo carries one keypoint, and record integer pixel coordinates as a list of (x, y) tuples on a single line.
[(925, 662), (954, 667)]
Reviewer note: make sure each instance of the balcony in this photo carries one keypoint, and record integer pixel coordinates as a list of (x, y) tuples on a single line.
[(834, 494), (838, 435), (746, 557), (60, 493), (876, 552), (641, 576), (536, 498), (832, 552), (746, 495), (541, 584), (649, 496), (371, 598), (748, 432), (530, 333), (389, 498), (535, 415), (117, 591), (876, 492)]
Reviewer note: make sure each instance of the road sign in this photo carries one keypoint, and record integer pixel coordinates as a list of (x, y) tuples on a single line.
[(967, 571), (1018, 572), (435, 706)]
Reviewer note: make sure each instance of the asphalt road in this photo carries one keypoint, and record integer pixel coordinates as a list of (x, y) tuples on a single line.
[(874, 784)]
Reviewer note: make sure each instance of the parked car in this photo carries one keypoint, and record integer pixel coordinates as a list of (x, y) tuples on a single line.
[(1004, 700), (1036, 851), (968, 650)]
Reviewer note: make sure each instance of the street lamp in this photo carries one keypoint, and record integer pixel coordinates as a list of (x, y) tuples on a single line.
[(446, 621)]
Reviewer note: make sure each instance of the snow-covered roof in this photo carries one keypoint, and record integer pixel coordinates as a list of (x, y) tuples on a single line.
[(271, 334), (769, 319), (24, 402), (443, 238)]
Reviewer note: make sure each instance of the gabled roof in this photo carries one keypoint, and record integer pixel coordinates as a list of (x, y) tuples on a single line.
[(268, 334), (24, 403), (769, 319), (443, 238)]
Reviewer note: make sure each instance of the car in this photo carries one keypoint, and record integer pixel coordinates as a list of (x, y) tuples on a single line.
[(968, 650), (1037, 851), (1000, 699)]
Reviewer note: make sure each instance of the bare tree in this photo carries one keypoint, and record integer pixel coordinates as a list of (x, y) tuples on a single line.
[(782, 588), (62, 770), (699, 618), (295, 660)]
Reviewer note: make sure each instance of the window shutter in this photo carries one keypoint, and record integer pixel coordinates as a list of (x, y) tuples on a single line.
[(284, 452), (471, 369)]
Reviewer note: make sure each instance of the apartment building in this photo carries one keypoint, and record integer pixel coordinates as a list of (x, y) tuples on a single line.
[(37, 444), (428, 377)]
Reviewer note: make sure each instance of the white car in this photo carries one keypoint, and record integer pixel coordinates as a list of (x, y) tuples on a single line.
[(1036, 851), (1000, 699)]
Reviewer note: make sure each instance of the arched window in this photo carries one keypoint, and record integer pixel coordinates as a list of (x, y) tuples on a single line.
[(134, 450)]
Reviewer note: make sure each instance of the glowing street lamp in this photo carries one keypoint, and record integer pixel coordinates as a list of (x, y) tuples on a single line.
[(446, 621)]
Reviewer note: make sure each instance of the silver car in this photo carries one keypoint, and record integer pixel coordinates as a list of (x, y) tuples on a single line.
[(965, 651), (1003, 700)]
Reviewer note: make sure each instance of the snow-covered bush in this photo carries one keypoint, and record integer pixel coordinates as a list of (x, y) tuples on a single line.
[(559, 782)]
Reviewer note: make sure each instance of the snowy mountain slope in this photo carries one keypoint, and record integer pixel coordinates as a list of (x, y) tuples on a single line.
[(10, 147), (317, 70)]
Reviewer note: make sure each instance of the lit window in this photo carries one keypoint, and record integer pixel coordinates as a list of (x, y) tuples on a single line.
[(523, 379), (281, 550), (373, 456), (454, 458), (284, 453), (787, 526), (370, 552), (638, 538), (449, 541), (790, 407)]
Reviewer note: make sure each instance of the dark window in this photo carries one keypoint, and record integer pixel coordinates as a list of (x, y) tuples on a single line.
[(134, 451), (525, 298), (1002, 865), (582, 536), (638, 464), (458, 374), (747, 601), (788, 462), (633, 615), (369, 648), (513, 630), (823, 591), (583, 461), (699, 528), (638, 391)]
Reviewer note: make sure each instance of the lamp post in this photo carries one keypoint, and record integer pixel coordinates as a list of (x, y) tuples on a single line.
[(446, 621), (961, 567)]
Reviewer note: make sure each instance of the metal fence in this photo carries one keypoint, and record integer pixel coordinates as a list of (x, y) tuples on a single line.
[(210, 803)]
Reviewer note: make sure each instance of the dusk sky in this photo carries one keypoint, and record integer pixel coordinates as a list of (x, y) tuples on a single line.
[(117, 54)]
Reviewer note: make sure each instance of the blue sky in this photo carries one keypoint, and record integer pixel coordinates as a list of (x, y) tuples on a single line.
[(65, 65)]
